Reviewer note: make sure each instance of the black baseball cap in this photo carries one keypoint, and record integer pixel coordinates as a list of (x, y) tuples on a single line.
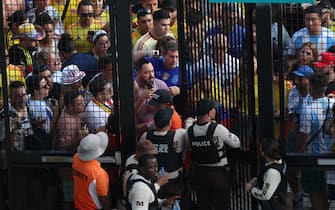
[(205, 105), (169, 4), (162, 117), (160, 96)]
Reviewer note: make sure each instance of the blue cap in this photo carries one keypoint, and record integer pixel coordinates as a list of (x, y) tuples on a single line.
[(303, 71)]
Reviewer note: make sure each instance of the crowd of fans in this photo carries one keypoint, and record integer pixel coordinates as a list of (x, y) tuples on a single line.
[(60, 81)]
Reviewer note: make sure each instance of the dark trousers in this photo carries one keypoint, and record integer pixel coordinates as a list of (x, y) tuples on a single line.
[(212, 188)]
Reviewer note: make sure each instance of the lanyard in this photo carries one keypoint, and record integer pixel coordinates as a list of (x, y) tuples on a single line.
[(102, 106)]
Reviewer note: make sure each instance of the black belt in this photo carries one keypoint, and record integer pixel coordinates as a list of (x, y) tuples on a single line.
[(213, 168)]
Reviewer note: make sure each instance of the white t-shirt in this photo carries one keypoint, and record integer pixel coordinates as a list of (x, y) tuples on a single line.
[(40, 111), (140, 195), (94, 116)]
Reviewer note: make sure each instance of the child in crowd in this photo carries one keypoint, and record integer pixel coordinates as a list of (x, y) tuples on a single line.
[(269, 187)]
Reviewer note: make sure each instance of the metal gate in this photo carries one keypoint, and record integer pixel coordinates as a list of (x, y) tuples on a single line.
[(217, 60), (217, 63)]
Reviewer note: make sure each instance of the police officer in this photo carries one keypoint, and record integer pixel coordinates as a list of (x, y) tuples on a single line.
[(169, 146), (211, 172)]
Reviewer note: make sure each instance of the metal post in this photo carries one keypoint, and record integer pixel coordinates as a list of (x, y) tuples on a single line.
[(281, 61), (265, 66), (5, 100), (126, 81), (182, 63)]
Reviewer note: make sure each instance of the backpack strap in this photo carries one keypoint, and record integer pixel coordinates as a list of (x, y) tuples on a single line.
[(190, 132), (210, 130), (321, 129), (150, 133), (171, 135)]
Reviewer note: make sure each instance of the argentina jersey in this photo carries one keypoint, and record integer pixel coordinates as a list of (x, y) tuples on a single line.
[(323, 40), (312, 119)]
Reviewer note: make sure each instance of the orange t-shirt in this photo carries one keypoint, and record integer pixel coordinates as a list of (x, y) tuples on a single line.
[(90, 181), (175, 121)]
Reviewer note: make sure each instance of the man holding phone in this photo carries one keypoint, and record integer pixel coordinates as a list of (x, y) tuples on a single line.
[(79, 31)]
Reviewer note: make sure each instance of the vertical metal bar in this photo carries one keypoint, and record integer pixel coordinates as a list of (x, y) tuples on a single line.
[(265, 65), (182, 64), (6, 107), (282, 71), (250, 138), (116, 98), (125, 67)]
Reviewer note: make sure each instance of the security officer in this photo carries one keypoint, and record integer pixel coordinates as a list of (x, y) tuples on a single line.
[(169, 146), (142, 187), (211, 172)]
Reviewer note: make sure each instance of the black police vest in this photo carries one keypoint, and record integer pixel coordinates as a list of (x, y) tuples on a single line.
[(167, 156), (130, 182), (204, 150), (277, 201)]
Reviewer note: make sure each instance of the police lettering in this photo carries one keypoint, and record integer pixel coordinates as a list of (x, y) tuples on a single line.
[(161, 148), (201, 143)]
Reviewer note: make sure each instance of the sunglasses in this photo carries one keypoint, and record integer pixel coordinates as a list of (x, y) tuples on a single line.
[(142, 12), (86, 15)]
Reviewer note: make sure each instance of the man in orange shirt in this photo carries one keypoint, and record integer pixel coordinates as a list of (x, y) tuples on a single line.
[(90, 179), (162, 98)]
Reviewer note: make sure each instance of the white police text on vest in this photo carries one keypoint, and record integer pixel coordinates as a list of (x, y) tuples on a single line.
[(201, 143), (161, 148)]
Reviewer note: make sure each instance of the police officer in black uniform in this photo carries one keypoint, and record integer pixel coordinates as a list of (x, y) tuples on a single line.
[(269, 187), (211, 170), (169, 146)]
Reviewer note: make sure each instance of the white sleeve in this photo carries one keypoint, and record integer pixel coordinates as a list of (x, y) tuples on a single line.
[(227, 137), (144, 136), (140, 196), (271, 180), (292, 48), (179, 140)]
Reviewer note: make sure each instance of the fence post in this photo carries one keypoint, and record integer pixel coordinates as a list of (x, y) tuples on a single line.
[(4, 90), (125, 70), (265, 66)]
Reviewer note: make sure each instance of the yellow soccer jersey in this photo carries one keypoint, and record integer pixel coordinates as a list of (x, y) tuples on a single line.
[(79, 35), (14, 73), (71, 14), (10, 41), (174, 30), (135, 36), (103, 19)]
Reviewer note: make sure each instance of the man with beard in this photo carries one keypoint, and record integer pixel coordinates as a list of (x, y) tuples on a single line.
[(142, 187), (147, 85), (22, 54)]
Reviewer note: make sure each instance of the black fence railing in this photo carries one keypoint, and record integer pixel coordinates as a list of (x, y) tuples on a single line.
[(218, 59)]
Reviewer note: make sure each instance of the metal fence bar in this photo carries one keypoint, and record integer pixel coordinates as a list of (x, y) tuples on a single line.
[(125, 67)]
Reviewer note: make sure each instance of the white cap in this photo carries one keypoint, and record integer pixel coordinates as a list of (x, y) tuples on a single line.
[(98, 33)]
